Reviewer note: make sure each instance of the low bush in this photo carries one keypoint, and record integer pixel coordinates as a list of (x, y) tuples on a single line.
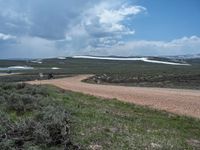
[(47, 123), (21, 103), (191, 81), (53, 126)]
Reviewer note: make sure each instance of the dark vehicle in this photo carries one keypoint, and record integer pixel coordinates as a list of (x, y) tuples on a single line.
[(50, 76), (9, 72)]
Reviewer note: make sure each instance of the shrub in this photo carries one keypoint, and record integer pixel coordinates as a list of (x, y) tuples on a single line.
[(21, 103), (6, 145), (47, 129), (47, 126), (35, 90), (54, 125), (2, 100), (7, 86), (20, 86)]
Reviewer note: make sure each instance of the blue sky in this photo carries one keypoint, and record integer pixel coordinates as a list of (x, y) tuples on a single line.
[(168, 19), (50, 28)]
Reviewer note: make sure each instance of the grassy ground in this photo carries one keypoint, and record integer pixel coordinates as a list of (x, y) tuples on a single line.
[(94, 123), (111, 124)]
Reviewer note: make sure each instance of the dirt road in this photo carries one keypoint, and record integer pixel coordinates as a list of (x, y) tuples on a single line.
[(183, 102)]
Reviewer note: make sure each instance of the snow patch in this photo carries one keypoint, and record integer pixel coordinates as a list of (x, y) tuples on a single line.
[(16, 68), (164, 62), (37, 61), (144, 59), (55, 68), (62, 58), (107, 58), (20, 68)]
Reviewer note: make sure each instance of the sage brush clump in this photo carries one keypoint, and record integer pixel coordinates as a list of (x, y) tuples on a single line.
[(30, 119)]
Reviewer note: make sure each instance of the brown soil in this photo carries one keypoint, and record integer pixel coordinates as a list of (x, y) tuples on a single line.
[(179, 101)]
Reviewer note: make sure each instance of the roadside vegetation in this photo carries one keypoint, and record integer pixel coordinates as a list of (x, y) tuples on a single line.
[(31, 119), (44, 117), (186, 81), (31, 77)]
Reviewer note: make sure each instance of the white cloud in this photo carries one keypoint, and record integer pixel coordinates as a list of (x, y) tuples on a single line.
[(68, 38), (115, 16), (6, 37), (185, 45), (109, 19), (102, 25)]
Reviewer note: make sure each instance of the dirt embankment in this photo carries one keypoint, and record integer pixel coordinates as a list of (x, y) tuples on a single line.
[(183, 102)]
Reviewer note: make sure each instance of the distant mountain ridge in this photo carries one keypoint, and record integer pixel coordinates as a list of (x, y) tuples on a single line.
[(178, 57), (189, 56)]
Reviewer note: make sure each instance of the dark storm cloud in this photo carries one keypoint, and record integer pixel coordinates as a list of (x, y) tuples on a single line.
[(51, 19), (43, 18)]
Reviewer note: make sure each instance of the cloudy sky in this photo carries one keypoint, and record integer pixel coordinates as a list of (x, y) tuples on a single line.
[(50, 28)]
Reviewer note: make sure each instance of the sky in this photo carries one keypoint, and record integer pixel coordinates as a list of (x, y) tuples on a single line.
[(51, 28)]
